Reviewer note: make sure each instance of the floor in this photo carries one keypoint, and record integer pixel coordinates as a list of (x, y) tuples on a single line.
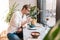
[(3, 35)]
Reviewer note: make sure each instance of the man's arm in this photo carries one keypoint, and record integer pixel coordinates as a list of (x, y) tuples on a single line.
[(14, 20), (27, 21)]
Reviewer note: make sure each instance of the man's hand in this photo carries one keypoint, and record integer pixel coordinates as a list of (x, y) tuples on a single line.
[(19, 30), (29, 19)]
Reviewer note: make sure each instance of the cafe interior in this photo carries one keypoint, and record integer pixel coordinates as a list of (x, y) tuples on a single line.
[(44, 20)]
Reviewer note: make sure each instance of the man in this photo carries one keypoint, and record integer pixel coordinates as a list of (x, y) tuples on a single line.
[(18, 21)]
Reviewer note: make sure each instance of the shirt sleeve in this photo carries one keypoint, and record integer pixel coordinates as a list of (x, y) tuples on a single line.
[(15, 20)]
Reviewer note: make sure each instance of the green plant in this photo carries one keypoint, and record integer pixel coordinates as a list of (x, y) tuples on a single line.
[(11, 11), (33, 12), (54, 33)]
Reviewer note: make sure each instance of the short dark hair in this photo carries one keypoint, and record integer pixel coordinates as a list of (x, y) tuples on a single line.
[(25, 6)]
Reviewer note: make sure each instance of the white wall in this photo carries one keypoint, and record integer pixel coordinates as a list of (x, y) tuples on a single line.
[(22, 2), (50, 4), (4, 8)]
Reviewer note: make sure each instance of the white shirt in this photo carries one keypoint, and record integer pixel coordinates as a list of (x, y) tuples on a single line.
[(16, 21)]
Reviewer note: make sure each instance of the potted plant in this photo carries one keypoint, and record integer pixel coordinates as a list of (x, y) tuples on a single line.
[(33, 14)]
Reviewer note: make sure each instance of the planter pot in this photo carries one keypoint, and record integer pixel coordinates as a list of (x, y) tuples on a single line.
[(34, 21)]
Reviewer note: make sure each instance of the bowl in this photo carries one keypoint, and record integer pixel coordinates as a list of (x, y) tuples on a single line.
[(35, 34), (31, 26)]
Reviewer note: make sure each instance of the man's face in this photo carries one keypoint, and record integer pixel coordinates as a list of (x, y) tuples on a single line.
[(27, 11)]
